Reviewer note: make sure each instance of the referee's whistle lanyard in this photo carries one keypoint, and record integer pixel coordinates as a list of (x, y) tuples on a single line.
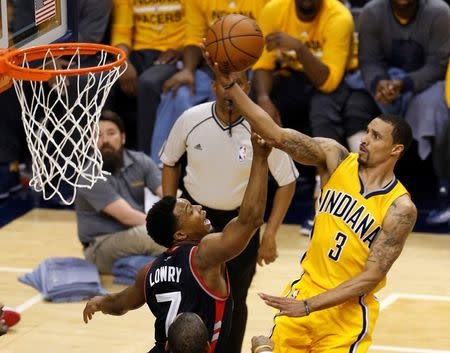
[(230, 112)]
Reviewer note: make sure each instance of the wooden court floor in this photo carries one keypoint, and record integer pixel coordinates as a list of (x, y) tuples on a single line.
[(415, 315)]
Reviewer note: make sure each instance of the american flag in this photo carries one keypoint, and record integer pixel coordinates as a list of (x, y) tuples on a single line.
[(44, 10)]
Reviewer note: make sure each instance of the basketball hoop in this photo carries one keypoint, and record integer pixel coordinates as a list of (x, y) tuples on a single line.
[(61, 118)]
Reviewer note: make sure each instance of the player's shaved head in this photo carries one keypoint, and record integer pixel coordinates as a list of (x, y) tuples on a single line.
[(187, 334)]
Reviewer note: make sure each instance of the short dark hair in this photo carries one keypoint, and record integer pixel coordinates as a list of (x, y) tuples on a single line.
[(401, 132), (161, 222), (187, 334), (109, 115)]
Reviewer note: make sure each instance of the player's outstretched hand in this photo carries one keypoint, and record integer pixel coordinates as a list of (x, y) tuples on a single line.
[(287, 306), (92, 306), (223, 78), (260, 146)]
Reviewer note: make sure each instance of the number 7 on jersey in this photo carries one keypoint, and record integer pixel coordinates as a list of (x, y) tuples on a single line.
[(175, 300)]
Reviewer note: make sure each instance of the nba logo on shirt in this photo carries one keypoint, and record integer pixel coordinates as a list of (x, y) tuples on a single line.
[(242, 153)]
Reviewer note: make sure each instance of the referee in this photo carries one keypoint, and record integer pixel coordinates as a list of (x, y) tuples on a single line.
[(216, 139)]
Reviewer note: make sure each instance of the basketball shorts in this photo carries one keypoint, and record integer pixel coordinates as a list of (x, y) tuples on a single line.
[(346, 328)]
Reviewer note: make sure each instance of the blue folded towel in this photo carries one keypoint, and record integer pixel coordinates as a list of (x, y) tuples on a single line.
[(126, 268), (65, 279)]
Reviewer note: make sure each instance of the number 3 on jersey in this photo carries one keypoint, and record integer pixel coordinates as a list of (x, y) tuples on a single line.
[(335, 253), (175, 300)]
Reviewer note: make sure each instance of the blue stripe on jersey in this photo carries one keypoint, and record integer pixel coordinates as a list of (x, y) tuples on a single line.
[(365, 325), (384, 190)]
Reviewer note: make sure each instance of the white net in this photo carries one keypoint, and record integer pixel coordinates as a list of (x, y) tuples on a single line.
[(61, 118)]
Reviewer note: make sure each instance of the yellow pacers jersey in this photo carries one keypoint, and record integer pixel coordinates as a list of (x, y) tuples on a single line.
[(330, 37), (200, 14), (149, 24), (347, 222)]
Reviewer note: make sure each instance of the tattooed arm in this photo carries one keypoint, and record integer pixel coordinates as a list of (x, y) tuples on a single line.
[(326, 154), (397, 225), (386, 248)]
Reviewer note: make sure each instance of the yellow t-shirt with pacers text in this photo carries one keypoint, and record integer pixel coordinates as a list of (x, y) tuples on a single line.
[(330, 37), (347, 221), (200, 14), (148, 24)]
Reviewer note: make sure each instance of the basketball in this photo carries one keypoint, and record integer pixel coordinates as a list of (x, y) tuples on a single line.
[(235, 42)]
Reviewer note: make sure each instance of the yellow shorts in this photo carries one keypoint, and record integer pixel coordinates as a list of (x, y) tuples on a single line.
[(346, 328)]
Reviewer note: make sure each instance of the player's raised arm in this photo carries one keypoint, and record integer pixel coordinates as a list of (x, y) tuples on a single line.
[(217, 248), (324, 153)]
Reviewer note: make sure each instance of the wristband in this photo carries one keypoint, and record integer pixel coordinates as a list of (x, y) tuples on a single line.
[(307, 308), (229, 85), (264, 348)]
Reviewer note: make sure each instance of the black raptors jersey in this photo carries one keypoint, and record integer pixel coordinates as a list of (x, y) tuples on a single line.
[(173, 286)]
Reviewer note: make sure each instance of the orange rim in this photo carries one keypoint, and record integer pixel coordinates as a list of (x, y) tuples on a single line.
[(10, 61)]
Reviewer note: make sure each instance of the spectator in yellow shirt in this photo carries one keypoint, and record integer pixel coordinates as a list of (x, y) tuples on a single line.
[(309, 49), (152, 33)]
